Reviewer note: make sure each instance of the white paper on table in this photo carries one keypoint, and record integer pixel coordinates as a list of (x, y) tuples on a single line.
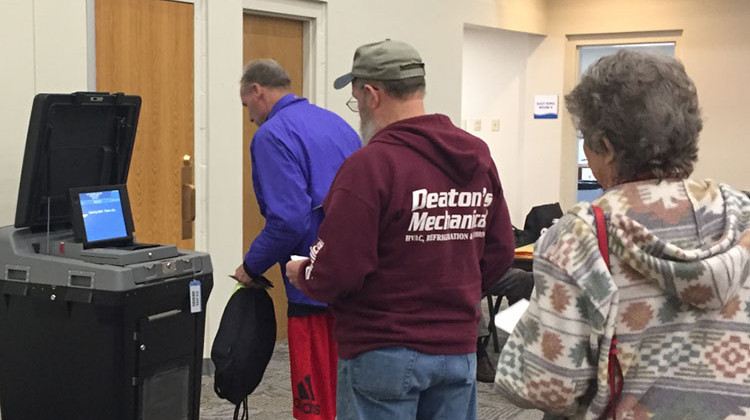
[(298, 258), (507, 319)]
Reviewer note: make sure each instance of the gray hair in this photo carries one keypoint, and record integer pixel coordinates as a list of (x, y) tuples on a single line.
[(647, 107), (399, 89), (265, 72)]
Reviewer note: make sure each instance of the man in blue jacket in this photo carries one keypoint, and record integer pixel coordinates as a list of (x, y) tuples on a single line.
[(295, 154)]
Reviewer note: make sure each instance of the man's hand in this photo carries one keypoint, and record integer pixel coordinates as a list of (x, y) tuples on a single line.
[(292, 271), (241, 276)]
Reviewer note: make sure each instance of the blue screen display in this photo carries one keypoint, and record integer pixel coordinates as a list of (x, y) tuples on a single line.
[(102, 215)]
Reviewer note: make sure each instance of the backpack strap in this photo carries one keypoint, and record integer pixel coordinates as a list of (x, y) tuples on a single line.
[(240, 411), (601, 233), (614, 372)]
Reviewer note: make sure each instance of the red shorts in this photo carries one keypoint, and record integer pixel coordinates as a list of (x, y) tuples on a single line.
[(313, 359)]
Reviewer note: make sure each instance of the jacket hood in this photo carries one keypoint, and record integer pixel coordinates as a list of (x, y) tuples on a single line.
[(457, 153), (691, 238)]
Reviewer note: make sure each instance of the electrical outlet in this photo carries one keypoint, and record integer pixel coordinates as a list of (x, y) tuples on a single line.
[(477, 125)]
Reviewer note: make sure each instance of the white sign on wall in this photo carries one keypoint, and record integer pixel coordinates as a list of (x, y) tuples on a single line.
[(545, 106)]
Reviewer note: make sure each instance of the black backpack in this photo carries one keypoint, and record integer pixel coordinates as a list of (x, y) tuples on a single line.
[(540, 217), (243, 346)]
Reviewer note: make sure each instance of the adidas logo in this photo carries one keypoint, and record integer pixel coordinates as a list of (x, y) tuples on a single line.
[(305, 399)]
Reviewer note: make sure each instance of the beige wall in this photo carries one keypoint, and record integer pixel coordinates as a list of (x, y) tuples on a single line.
[(435, 28), (527, 16), (540, 155), (714, 46)]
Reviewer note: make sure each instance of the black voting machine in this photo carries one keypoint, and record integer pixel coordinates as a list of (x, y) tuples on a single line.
[(93, 325)]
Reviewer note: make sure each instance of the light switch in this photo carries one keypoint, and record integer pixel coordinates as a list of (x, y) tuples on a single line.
[(496, 125)]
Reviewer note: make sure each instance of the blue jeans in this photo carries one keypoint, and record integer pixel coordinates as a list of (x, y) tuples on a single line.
[(398, 383)]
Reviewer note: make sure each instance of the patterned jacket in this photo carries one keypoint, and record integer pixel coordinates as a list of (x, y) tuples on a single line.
[(678, 298)]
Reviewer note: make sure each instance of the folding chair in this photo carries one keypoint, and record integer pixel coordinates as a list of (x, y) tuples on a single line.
[(515, 285)]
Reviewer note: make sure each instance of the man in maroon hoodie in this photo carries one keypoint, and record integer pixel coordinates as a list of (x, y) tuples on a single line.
[(415, 229)]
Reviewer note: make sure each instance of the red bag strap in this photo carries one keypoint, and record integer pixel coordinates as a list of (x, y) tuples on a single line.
[(601, 233), (614, 373)]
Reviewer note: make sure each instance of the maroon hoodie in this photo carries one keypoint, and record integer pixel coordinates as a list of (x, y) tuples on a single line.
[(416, 227)]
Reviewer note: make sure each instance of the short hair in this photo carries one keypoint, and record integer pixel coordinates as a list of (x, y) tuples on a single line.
[(647, 107), (398, 89), (265, 72)]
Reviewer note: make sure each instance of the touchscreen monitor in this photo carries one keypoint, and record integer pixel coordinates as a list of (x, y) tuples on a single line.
[(101, 216)]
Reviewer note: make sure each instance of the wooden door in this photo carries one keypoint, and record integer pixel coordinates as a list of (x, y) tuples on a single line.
[(145, 47), (280, 39)]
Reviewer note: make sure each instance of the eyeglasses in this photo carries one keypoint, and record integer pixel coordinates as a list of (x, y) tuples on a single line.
[(352, 104)]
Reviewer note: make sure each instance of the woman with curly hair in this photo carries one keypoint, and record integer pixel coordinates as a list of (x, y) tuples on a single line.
[(677, 292)]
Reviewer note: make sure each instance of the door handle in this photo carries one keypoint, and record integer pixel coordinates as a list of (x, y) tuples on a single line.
[(188, 203), (188, 197)]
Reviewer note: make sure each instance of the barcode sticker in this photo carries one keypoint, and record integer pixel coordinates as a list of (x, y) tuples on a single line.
[(195, 297)]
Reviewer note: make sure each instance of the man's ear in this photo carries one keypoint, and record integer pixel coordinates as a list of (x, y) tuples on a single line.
[(374, 95)]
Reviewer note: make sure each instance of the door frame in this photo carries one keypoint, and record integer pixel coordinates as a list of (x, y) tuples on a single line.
[(313, 15), (569, 145), (314, 39)]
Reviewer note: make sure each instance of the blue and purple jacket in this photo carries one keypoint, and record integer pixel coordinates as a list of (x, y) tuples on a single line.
[(295, 155)]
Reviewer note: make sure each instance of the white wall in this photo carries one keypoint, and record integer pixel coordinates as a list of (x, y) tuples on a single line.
[(220, 212), (494, 90), (540, 179), (43, 49)]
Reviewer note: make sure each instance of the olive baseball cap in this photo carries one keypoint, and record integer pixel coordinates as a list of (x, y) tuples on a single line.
[(384, 60)]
